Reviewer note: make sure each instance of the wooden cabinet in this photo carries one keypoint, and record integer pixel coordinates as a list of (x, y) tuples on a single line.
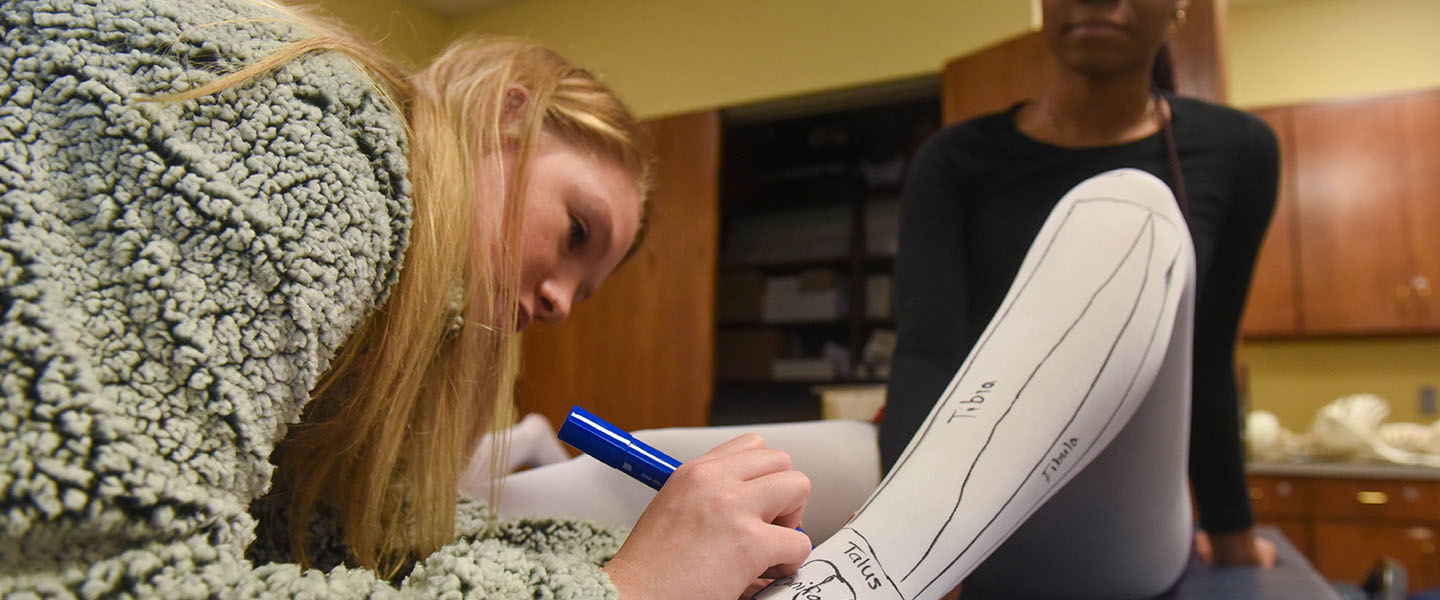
[(640, 352), (1361, 245), (1345, 524), (1420, 151), (1356, 235), (997, 77), (1343, 555), (1272, 308), (1286, 504)]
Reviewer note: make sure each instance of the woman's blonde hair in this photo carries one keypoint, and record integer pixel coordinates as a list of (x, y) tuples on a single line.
[(392, 423)]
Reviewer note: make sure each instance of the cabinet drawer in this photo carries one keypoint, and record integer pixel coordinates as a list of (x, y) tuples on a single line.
[(1383, 499), (1347, 551), (1280, 496)]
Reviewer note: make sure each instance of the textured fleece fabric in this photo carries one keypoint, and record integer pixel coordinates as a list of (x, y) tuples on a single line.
[(173, 279)]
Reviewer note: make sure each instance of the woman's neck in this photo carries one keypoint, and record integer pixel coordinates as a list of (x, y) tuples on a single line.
[(1079, 111)]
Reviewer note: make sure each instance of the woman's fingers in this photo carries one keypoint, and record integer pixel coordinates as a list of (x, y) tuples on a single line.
[(738, 443), (742, 459), (780, 497), (792, 548), (754, 588)]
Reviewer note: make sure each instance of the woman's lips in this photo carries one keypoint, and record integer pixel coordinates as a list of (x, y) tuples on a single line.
[(1097, 29)]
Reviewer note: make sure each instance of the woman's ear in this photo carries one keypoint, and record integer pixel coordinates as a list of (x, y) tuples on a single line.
[(517, 98), (1180, 7)]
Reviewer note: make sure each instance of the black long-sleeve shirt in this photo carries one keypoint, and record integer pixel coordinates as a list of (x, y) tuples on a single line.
[(977, 194)]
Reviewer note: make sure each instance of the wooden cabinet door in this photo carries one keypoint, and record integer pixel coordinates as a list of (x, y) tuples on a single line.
[(1420, 146), (1346, 551), (992, 79), (640, 353), (1286, 503), (1273, 306), (1381, 499), (1199, 50), (1274, 496), (1355, 263)]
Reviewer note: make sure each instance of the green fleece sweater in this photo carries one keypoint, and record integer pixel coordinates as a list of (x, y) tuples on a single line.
[(173, 279)]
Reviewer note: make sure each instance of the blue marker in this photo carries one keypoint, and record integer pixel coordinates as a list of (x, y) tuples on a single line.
[(613, 446)]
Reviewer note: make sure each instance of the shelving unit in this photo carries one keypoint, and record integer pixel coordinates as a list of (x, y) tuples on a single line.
[(809, 229)]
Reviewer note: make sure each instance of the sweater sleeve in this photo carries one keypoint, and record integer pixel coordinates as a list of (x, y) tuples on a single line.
[(930, 293), (173, 280), (1217, 456)]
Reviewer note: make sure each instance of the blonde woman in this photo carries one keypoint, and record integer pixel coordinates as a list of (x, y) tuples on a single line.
[(231, 237)]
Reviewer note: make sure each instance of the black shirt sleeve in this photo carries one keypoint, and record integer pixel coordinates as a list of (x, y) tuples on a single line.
[(1217, 470), (930, 293)]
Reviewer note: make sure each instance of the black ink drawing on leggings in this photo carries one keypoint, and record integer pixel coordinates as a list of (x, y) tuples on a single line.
[(823, 580), (1068, 357)]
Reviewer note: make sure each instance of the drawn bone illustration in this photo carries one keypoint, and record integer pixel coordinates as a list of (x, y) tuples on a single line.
[(823, 581), (1102, 298)]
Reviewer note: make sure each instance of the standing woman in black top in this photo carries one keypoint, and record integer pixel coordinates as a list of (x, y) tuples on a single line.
[(979, 191)]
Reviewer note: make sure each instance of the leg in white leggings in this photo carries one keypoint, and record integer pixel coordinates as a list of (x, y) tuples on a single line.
[(1122, 527), (1095, 326)]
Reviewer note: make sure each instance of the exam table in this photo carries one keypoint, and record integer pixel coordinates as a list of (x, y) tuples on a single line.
[(1292, 578)]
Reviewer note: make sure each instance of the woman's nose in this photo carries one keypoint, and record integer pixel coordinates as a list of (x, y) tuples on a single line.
[(555, 299)]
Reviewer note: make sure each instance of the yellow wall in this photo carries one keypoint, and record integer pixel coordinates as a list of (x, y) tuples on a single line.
[(682, 55), (672, 56), (405, 29), (1292, 51), (1295, 378)]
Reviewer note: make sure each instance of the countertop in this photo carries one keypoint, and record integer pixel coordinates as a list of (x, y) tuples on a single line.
[(1353, 470)]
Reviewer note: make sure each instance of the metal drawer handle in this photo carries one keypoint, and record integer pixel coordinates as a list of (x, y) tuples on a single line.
[(1368, 497)]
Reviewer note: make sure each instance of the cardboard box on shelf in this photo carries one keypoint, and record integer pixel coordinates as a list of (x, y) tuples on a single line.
[(882, 228), (740, 296), (812, 295), (747, 354), (788, 236), (858, 402), (817, 280), (803, 369), (878, 296)]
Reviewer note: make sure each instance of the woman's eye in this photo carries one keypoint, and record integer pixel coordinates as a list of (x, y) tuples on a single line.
[(578, 234)]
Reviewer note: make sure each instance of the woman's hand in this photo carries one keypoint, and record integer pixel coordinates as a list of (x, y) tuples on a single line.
[(718, 523), (1239, 548)]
